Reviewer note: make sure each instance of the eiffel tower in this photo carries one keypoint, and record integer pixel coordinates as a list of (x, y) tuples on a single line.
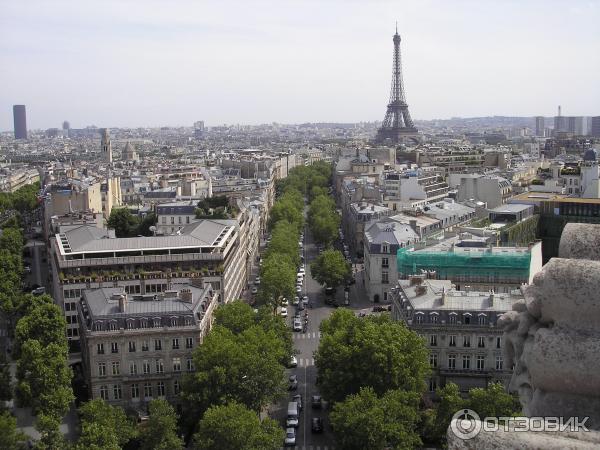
[(397, 125)]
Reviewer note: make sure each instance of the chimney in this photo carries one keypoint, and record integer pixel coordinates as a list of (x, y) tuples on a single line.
[(492, 297), (123, 303), (421, 289), (372, 207), (443, 296), (413, 224), (186, 295), (415, 280)]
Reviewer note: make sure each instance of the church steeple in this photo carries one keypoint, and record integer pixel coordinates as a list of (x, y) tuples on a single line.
[(106, 146)]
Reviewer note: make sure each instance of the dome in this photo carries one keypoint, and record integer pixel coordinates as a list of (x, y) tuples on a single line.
[(590, 155)]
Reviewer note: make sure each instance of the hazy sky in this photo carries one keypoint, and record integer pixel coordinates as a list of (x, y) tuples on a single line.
[(148, 63)]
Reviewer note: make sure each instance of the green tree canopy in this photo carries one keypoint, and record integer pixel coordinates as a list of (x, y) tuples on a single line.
[(364, 421), (11, 239), (372, 351), (160, 432), (103, 427), (10, 437), (330, 268), (44, 323), (235, 427), (450, 401), (144, 225), (323, 219), (493, 401), (284, 242), (277, 280)]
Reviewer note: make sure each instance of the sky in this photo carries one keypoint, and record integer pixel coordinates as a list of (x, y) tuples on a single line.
[(170, 63)]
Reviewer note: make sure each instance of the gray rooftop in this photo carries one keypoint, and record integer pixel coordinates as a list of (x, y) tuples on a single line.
[(390, 231)]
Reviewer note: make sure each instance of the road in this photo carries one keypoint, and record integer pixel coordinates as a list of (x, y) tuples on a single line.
[(305, 344)]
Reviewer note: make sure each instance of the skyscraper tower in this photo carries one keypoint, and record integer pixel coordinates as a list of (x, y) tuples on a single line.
[(20, 119), (106, 145), (540, 125), (397, 124)]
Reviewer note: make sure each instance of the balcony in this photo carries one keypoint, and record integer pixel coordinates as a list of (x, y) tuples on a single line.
[(148, 259)]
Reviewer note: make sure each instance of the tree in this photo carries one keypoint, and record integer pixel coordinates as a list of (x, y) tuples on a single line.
[(278, 278), (323, 219), (160, 432), (6, 392), (365, 421), (10, 437), (244, 367), (44, 378), (11, 239), (124, 223), (493, 401), (145, 224), (48, 425), (235, 427), (44, 323), (372, 351), (103, 426), (235, 316), (284, 242), (330, 268), (450, 401)]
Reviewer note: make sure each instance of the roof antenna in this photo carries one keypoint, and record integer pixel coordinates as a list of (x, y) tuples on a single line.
[(396, 27)]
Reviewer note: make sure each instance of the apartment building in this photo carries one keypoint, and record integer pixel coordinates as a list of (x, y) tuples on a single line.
[(173, 216), (459, 328), (137, 347), (86, 257)]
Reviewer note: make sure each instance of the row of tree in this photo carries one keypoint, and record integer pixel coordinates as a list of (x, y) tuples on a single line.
[(24, 199), (323, 219)]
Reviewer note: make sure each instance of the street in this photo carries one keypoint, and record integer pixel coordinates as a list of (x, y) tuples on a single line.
[(305, 344)]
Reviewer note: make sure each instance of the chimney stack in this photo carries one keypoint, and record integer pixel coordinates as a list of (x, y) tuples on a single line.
[(443, 296), (491, 297), (123, 303), (186, 295)]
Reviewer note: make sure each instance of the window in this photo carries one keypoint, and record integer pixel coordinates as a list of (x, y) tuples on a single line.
[(466, 341), (147, 390), (176, 387), (175, 343), (188, 320), (384, 277), (189, 342), (480, 362), (433, 340), (433, 358), (114, 347), (180, 220), (481, 342), (113, 326), (499, 363), (157, 344), (156, 323), (176, 364), (385, 248), (100, 348), (466, 361), (133, 368), (190, 364), (453, 319), (172, 220), (173, 321), (117, 392), (116, 368), (132, 346), (385, 262), (130, 324), (481, 320), (467, 320), (163, 220), (434, 318), (160, 389), (144, 323), (160, 368), (451, 361), (499, 342), (104, 392), (146, 367), (452, 342), (101, 369), (135, 391), (145, 346), (419, 318), (432, 385)]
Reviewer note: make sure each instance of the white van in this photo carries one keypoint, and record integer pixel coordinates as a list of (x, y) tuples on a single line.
[(292, 415)]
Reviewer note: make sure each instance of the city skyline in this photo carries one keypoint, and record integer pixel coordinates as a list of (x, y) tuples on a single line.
[(159, 64)]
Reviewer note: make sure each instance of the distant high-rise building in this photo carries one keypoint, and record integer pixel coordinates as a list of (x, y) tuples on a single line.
[(560, 122), (595, 128), (106, 145), (199, 128), (539, 126), (576, 125), (20, 119), (66, 125)]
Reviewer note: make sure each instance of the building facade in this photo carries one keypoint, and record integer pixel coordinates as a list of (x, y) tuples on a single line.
[(20, 121)]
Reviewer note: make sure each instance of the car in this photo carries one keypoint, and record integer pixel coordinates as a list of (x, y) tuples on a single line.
[(300, 306), (317, 425), (297, 325), (284, 302), (300, 276), (257, 281), (293, 361), (305, 300), (298, 289), (254, 290), (301, 271), (283, 312), (329, 291), (27, 269), (298, 399), (293, 384), (317, 402), (290, 437), (296, 301), (39, 291)]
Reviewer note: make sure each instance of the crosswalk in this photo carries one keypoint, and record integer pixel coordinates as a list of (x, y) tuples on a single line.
[(309, 447), (306, 362), (310, 335)]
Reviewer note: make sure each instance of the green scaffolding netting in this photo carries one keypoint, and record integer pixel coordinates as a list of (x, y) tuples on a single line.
[(450, 264)]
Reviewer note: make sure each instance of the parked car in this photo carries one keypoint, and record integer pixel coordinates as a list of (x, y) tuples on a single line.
[(298, 399), (290, 437), (296, 301), (293, 385), (284, 302), (293, 361), (39, 291), (283, 312), (27, 269), (299, 290), (305, 300), (317, 425), (317, 402), (297, 324), (257, 281), (254, 290)]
